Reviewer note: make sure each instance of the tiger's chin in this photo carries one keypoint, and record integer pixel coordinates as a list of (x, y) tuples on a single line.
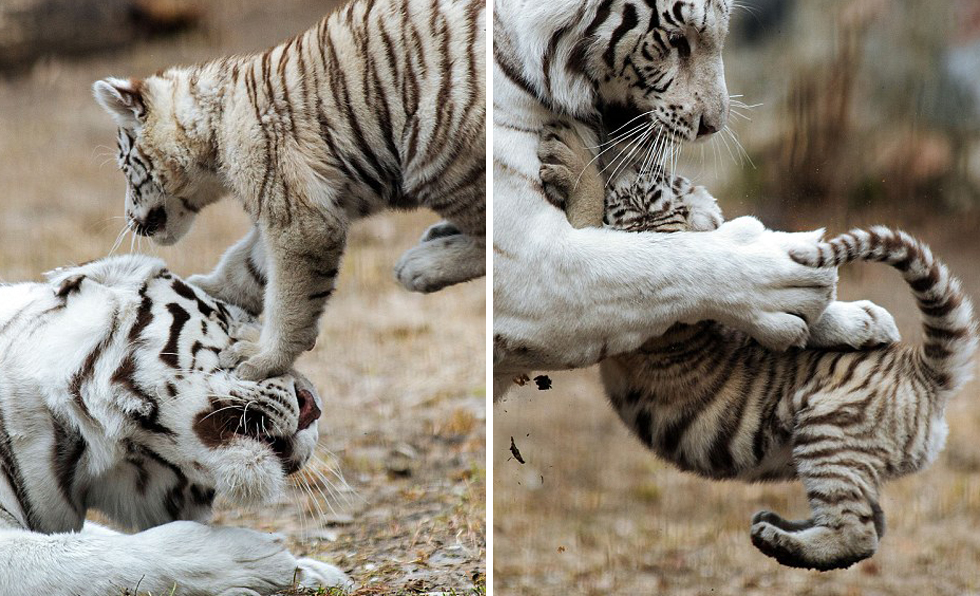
[(248, 472), (252, 470)]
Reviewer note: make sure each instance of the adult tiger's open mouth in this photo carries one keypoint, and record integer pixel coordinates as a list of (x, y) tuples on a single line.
[(224, 422)]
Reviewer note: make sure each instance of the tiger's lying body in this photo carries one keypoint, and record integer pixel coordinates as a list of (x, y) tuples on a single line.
[(714, 402), (111, 399), (381, 105)]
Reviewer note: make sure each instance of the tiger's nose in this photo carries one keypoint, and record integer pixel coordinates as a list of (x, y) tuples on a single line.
[(155, 220), (707, 126), (308, 410)]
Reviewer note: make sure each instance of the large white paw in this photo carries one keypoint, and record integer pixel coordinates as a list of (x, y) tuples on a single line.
[(220, 560), (762, 290), (317, 574), (858, 325)]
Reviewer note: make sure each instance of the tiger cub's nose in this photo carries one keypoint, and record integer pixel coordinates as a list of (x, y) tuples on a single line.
[(155, 220)]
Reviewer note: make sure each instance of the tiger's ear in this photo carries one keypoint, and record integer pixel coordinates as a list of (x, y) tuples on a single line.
[(123, 99)]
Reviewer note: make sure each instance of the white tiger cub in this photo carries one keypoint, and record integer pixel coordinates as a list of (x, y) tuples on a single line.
[(380, 105), (111, 398), (712, 401)]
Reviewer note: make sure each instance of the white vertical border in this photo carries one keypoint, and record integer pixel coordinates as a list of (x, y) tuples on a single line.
[(489, 282)]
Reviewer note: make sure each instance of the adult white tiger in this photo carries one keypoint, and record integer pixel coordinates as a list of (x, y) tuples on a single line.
[(381, 105), (111, 399), (564, 297)]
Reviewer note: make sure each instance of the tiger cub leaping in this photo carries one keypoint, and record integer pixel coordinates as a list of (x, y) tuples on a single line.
[(380, 105), (714, 402), (111, 399)]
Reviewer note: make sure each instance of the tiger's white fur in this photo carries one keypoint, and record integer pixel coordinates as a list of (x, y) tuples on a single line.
[(111, 399), (565, 297), (381, 105)]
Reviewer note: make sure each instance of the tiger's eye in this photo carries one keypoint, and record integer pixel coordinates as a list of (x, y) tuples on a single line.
[(679, 41)]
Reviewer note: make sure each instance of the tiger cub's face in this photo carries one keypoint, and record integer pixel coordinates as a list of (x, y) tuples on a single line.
[(661, 60), (167, 180)]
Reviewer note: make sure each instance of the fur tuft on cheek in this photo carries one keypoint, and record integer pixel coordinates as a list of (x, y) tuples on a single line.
[(246, 472)]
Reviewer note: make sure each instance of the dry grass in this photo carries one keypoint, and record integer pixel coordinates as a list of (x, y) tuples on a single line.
[(402, 375)]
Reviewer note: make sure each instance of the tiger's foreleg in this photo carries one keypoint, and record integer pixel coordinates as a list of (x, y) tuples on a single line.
[(304, 244), (194, 557), (240, 277)]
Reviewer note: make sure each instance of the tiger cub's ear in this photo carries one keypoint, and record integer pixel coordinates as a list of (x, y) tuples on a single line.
[(123, 99)]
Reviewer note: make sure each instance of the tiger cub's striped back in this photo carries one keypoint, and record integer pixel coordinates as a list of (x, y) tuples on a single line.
[(714, 402)]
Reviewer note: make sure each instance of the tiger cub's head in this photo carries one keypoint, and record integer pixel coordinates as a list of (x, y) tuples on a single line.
[(168, 162), (653, 201), (660, 60)]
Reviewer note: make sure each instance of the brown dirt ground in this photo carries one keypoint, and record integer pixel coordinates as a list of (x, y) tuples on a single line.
[(593, 513), (402, 375)]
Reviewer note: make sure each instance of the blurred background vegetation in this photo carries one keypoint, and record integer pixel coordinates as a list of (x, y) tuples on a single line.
[(866, 105)]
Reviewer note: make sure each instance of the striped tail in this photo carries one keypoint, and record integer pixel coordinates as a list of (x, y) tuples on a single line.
[(950, 332)]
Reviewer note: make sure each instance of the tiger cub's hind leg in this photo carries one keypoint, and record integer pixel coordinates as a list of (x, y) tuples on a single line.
[(445, 256), (847, 522), (452, 251)]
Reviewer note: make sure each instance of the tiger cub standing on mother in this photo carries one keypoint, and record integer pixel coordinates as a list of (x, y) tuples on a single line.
[(380, 105), (715, 402)]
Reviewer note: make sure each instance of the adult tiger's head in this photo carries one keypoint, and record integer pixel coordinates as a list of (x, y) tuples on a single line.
[(655, 59), (127, 355), (165, 151)]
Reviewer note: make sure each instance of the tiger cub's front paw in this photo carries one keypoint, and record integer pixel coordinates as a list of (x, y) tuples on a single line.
[(704, 214), (854, 325), (562, 161), (263, 366), (569, 176), (238, 352)]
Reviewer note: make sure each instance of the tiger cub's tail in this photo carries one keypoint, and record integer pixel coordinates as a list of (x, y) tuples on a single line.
[(950, 331)]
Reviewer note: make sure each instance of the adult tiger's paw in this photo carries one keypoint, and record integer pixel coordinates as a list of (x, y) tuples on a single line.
[(315, 574), (763, 289)]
